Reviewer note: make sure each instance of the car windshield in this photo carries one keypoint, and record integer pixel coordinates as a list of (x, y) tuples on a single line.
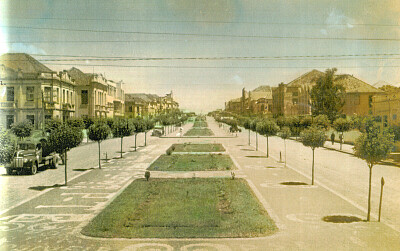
[(26, 146)]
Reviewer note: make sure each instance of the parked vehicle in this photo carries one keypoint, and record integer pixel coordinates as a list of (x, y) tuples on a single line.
[(32, 155)]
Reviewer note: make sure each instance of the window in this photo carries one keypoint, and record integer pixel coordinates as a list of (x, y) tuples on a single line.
[(10, 93), (84, 97), (394, 116), (9, 121), (63, 100), (46, 94), (30, 93), (55, 94), (47, 117), (130, 108), (31, 118)]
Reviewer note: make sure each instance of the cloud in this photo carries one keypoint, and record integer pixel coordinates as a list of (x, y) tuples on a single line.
[(25, 48), (336, 20), (238, 80)]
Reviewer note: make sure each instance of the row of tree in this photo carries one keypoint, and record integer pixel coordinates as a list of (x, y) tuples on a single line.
[(373, 146)]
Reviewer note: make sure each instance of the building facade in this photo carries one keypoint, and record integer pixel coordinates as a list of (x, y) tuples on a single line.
[(32, 91)]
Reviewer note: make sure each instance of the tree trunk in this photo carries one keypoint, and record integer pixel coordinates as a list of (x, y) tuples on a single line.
[(267, 148), (145, 138), (312, 179), (249, 136), (284, 142), (135, 141), (121, 146), (341, 141), (65, 166), (256, 142), (99, 155), (369, 192)]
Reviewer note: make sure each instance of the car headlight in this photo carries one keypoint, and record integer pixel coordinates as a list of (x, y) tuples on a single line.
[(25, 160)]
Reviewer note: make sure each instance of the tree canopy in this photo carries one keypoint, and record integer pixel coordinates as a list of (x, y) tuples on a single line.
[(122, 128), (22, 129), (98, 131), (313, 137), (327, 97), (7, 146), (374, 144), (64, 138)]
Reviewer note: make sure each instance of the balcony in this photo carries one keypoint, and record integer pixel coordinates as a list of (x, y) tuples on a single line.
[(9, 105), (69, 107)]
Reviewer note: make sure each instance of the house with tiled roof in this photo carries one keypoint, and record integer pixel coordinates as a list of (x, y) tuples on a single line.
[(33, 91), (294, 98)]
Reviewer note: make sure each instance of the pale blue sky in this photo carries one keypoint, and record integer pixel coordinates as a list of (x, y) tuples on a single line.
[(203, 89)]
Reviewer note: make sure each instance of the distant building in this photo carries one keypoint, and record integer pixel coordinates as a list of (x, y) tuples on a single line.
[(143, 104), (387, 107), (294, 98), (97, 97), (257, 101), (32, 91)]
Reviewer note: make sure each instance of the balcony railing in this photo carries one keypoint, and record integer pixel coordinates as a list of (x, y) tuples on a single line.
[(9, 104)]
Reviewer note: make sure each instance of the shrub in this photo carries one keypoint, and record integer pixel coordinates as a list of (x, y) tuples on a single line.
[(169, 151), (147, 175)]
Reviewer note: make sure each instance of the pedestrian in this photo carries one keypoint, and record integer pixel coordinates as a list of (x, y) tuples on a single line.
[(333, 138), (180, 131)]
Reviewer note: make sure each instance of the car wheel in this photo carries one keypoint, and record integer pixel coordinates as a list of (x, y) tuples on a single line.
[(54, 163), (9, 170), (33, 168)]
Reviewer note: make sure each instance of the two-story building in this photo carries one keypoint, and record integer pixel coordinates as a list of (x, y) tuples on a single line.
[(30, 90)]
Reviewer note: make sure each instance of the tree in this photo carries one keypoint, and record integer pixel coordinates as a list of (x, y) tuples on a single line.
[(267, 128), (326, 96), (63, 139), (247, 125), (98, 132), (373, 146), (52, 124), (22, 129), (7, 146), (321, 121), (313, 137), (122, 128), (76, 122), (149, 124), (253, 127), (342, 125), (139, 127), (285, 134), (294, 124)]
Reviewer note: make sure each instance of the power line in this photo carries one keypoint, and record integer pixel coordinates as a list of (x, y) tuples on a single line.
[(208, 21), (229, 57), (224, 67), (204, 35)]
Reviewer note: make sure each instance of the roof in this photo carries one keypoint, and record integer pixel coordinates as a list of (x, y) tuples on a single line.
[(355, 85), (262, 88), (351, 83), (24, 62), (79, 77), (309, 78), (141, 97), (258, 95)]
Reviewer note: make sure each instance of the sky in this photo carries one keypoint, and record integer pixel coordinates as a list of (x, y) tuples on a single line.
[(207, 51)]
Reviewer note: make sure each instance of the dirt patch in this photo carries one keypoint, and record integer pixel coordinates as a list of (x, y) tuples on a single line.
[(294, 183), (341, 219)]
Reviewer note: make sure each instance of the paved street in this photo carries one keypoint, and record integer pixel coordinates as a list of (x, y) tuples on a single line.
[(53, 220)]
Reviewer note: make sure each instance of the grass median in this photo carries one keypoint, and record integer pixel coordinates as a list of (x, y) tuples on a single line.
[(183, 208), (198, 131), (189, 147), (192, 162)]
